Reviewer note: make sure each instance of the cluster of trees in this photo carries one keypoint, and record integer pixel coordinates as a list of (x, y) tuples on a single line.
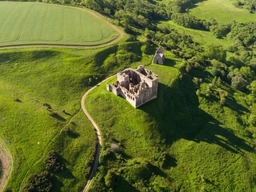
[(249, 4), (41, 182), (46, 179), (190, 21), (129, 14), (234, 71)]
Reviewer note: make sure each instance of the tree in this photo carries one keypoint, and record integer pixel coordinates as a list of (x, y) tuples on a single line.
[(216, 52), (239, 83), (247, 73), (252, 87)]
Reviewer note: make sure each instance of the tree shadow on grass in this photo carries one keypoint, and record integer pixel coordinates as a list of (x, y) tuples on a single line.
[(123, 185), (169, 162), (65, 173), (233, 105), (177, 116), (73, 134), (57, 184), (57, 116), (169, 62), (192, 5)]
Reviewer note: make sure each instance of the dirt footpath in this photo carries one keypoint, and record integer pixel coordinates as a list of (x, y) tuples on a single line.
[(6, 160)]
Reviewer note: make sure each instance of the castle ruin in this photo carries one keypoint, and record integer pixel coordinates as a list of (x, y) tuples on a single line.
[(136, 86), (159, 56)]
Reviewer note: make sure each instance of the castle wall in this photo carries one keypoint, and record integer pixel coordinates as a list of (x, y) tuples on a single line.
[(137, 87), (114, 89)]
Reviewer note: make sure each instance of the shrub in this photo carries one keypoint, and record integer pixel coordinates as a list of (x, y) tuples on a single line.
[(42, 182), (52, 162)]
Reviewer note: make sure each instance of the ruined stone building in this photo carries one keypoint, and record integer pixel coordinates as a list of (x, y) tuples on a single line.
[(136, 86), (159, 56)]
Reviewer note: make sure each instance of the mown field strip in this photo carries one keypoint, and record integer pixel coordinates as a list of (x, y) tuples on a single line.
[(33, 33), (38, 23)]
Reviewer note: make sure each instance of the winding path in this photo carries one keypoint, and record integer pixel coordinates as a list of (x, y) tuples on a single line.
[(99, 143)]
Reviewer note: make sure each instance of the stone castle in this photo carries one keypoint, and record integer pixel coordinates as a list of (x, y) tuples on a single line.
[(136, 86)]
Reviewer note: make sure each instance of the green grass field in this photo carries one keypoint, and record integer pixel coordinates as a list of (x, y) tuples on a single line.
[(204, 38), (177, 142), (59, 78), (222, 10), (38, 23)]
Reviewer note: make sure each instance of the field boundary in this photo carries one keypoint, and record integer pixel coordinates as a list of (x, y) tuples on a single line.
[(119, 32)]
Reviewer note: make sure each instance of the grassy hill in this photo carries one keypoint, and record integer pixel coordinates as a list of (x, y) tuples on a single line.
[(177, 142), (39, 100), (39, 23), (40, 109)]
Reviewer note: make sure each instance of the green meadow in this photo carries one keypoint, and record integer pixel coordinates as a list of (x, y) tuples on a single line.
[(34, 83), (204, 38), (222, 10), (26, 23)]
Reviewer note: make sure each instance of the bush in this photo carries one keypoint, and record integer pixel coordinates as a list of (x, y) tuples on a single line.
[(52, 162), (42, 182)]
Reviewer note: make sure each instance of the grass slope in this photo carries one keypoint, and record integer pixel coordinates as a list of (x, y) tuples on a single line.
[(177, 142), (38, 23), (204, 38), (222, 10), (59, 78)]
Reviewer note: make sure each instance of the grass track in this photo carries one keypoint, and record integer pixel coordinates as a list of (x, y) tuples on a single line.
[(222, 10), (38, 23)]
